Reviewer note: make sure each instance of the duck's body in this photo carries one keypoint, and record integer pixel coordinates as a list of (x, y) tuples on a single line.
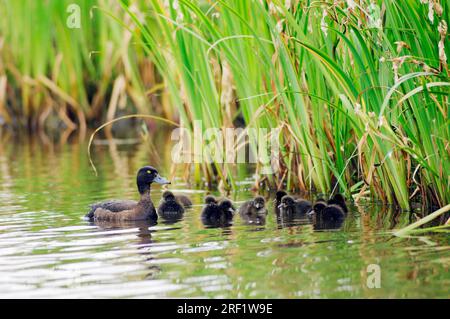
[(127, 210), (117, 205), (113, 205), (329, 215), (170, 207), (217, 213), (254, 211)]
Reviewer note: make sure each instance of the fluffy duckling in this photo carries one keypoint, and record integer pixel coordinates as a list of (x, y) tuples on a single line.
[(339, 200), (335, 210), (170, 207), (254, 211), (125, 210), (217, 213), (278, 196), (277, 201), (294, 207), (328, 217)]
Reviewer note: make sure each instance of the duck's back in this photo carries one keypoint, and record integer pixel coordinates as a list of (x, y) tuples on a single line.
[(113, 205)]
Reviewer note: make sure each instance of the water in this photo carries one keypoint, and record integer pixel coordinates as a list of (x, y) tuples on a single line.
[(48, 250)]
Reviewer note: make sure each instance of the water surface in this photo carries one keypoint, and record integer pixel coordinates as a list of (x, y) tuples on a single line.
[(48, 250)]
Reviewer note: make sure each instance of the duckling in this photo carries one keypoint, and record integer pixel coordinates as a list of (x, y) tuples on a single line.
[(170, 207), (278, 196), (123, 210), (333, 212), (277, 201), (217, 213), (184, 200), (294, 207), (339, 200), (253, 211), (327, 212), (328, 217)]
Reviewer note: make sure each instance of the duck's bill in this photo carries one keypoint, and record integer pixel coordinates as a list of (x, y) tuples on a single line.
[(160, 180)]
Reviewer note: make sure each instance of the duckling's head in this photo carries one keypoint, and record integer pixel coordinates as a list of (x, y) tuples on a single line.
[(279, 195), (226, 205), (318, 206), (339, 200), (287, 201), (210, 200), (259, 202), (168, 196), (148, 175)]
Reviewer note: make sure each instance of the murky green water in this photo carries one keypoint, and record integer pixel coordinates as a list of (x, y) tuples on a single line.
[(48, 250)]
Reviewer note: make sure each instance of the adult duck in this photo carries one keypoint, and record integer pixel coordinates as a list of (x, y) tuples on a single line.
[(126, 210)]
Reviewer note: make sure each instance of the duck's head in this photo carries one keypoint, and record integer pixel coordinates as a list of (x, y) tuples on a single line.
[(210, 200), (168, 196), (259, 202), (226, 205), (148, 175), (286, 202), (279, 195)]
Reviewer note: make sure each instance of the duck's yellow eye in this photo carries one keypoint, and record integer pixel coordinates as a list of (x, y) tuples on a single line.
[(149, 172)]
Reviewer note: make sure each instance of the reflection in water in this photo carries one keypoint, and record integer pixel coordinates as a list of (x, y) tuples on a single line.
[(321, 224), (144, 235), (48, 250)]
